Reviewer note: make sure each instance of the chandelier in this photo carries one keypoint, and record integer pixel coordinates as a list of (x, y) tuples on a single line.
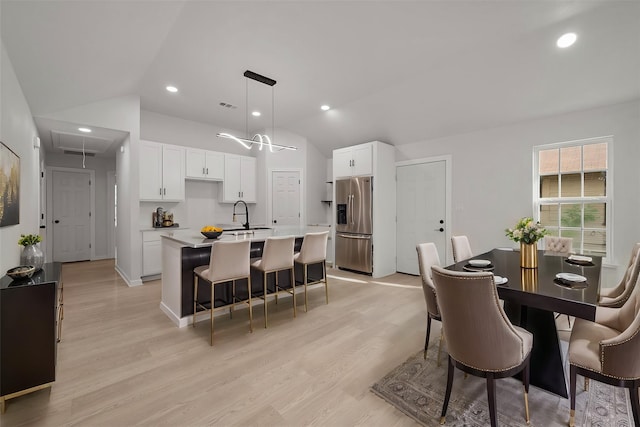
[(258, 139)]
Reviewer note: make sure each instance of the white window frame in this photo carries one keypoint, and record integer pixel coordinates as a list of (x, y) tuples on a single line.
[(607, 199)]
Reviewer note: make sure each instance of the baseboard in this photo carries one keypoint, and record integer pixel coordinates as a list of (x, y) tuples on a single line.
[(179, 322), (129, 282)]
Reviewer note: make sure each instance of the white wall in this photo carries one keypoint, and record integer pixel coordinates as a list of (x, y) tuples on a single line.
[(317, 188), (493, 173), (100, 166), (17, 130)]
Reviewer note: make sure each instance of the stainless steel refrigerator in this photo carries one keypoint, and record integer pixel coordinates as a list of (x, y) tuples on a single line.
[(354, 224)]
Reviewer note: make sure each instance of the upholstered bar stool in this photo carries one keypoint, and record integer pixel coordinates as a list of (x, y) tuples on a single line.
[(480, 338), (428, 257), (461, 248), (229, 262), (277, 256), (313, 251), (616, 297), (608, 351)]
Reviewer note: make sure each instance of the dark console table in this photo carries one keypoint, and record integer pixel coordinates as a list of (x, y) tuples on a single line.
[(30, 326)]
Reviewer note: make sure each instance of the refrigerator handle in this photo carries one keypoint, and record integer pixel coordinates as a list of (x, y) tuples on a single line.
[(351, 210)]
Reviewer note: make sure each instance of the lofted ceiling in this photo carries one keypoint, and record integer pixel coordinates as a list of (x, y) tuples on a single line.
[(396, 71)]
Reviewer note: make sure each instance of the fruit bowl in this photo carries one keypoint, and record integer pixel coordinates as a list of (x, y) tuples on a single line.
[(211, 234), (21, 272)]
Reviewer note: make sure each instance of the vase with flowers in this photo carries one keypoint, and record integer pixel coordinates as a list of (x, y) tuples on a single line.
[(527, 232), (31, 253)]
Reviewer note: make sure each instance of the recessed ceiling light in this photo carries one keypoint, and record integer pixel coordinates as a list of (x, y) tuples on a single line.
[(256, 113), (172, 89), (325, 108), (566, 40), (85, 130)]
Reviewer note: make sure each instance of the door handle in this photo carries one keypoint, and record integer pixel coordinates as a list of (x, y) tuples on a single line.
[(439, 229), (56, 221)]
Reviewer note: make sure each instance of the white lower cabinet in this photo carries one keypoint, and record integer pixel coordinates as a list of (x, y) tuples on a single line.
[(151, 253)]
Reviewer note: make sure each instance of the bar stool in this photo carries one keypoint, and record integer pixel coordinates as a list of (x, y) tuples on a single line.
[(229, 262), (313, 251), (277, 255)]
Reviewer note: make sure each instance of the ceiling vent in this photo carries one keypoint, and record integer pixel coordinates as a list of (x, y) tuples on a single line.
[(79, 153), (224, 104)]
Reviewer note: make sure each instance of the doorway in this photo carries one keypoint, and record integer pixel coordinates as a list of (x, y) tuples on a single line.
[(72, 222), (423, 210), (285, 198)]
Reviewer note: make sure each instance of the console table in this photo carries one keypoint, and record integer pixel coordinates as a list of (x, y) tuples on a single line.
[(30, 326)]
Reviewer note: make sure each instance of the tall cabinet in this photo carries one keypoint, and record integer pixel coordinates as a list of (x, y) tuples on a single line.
[(376, 159)]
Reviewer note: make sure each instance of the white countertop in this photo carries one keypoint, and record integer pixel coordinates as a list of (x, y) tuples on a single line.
[(193, 239)]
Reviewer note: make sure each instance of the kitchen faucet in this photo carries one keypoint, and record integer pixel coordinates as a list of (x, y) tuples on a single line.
[(246, 213)]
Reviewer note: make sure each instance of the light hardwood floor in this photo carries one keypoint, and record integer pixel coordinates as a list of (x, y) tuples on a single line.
[(122, 362)]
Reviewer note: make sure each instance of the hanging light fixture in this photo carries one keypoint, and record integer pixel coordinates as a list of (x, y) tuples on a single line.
[(258, 139)]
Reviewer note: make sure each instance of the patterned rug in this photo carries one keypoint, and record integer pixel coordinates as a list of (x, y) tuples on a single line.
[(417, 389)]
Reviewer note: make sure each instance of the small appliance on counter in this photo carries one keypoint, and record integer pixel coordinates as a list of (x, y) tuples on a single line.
[(161, 218)]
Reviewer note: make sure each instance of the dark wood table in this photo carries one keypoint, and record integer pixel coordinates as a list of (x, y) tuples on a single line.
[(531, 296)]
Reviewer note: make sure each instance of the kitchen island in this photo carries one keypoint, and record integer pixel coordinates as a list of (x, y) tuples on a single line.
[(183, 250)]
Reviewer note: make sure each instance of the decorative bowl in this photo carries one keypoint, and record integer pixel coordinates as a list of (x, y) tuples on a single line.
[(211, 234), (21, 272)]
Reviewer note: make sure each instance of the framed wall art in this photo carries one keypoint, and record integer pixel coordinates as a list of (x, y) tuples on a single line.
[(9, 186)]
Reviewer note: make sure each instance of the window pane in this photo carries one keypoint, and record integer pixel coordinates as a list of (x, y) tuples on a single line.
[(595, 156), (595, 242), (576, 235), (595, 215), (571, 215), (549, 186), (571, 159), (549, 215), (548, 162), (571, 185), (595, 184)]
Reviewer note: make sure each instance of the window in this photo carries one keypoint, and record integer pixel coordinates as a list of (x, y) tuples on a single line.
[(573, 197)]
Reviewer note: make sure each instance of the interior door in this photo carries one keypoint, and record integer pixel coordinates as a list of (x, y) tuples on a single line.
[(285, 198), (421, 212), (71, 205)]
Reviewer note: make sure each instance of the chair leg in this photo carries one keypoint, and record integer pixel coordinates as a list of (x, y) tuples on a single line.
[(276, 286), (212, 299), (491, 397), (233, 298), (326, 281), (250, 305), (447, 393), (304, 281), (426, 339), (440, 348), (586, 384), (573, 373), (635, 403), (525, 382), (293, 292), (264, 284), (195, 298)]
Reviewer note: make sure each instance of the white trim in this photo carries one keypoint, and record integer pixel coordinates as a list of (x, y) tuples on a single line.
[(49, 216), (111, 226), (302, 200), (448, 162), (130, 283)]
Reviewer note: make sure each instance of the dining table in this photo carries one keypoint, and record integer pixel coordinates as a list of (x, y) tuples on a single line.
[(560, 284)]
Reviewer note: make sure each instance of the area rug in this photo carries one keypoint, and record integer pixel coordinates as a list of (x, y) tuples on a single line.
[(417, 389)]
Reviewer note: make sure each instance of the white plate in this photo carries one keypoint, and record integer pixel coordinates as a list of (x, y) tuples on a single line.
[(571, 277), (479, 262), (500, 280), (580, 258)]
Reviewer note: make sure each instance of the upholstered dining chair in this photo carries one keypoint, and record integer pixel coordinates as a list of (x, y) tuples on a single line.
[(480, 338), (277, 255), (558, 245), (428, 257), (608, 351), (461, 248), (229, 262), (313, 251), (617, 296)]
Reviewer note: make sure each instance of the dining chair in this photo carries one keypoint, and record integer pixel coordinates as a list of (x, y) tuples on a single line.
[(313, 251), (228, 262), (480, 338), (608, 350), (461, 248), (277, 256), (558, 245), (617, 296), (428, 257)]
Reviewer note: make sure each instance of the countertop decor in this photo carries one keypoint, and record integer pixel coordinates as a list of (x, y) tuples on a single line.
[(31, 254), (527, 233)]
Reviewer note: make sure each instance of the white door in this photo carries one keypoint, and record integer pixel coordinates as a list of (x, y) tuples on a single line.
[(285, 190), (421, 212), (71, 205)]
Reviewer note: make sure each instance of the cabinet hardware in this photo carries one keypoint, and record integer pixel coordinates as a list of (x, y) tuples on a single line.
[(203, 172), (161, 191), (165, 191)]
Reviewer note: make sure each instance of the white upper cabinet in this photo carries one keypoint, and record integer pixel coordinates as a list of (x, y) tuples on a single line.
[(239, 179), (353, 161), (204, 165), (161, 172)]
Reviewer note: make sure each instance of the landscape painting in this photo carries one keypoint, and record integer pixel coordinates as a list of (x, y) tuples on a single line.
[(9, 187)]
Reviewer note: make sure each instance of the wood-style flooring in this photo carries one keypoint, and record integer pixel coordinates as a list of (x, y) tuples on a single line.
[(122, 362)]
